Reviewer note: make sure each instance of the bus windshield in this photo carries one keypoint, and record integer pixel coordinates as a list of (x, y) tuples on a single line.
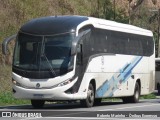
[(42, 52)]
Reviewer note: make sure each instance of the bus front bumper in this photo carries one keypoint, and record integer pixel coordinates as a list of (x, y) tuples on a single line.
[(57, 93)]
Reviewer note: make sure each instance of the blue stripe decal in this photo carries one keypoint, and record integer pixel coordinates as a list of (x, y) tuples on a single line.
[(121, 76)]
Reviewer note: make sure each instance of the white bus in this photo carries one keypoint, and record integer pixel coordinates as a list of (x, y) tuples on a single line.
[(81, 58), (157, 75)]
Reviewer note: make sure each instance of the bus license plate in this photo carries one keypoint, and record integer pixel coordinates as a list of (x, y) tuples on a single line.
[(38, 95)]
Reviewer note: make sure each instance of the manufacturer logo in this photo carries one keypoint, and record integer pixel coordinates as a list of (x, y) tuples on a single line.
[(38, 85)]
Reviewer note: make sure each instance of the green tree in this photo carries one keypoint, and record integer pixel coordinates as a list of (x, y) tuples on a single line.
[(106, 9)]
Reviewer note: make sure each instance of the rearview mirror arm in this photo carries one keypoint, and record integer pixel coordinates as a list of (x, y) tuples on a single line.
[(77, 39), (5, 43)]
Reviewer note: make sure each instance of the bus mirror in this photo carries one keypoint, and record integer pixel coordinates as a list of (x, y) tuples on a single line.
[(5, 43), (79, 54), (70, 68), (73, 49), (78, 40)]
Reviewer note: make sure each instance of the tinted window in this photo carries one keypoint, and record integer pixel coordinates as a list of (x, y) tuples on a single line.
[(121, 43)]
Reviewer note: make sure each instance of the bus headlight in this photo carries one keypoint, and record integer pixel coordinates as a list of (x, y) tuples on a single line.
[(65, 82), (15, 82)]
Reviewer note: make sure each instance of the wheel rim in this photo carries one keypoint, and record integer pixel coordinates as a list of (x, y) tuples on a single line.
[(90, 96), (137, 95)]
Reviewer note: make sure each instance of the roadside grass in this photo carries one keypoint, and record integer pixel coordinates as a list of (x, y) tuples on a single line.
[(6, 98), (149, 96)]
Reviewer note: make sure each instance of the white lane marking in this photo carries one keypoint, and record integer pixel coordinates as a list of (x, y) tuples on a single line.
[(78, 118), (128, 107)]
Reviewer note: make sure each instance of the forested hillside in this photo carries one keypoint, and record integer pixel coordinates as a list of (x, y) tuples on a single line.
[(14, 13)]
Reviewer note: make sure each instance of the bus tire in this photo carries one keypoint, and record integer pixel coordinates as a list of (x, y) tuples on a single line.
[(135, 97), (37, 103), (89, 101), (97, 101)]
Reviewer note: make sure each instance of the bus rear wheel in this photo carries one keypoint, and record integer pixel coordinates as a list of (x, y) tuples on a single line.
[(135, 97), (89, 101), (37, 103)]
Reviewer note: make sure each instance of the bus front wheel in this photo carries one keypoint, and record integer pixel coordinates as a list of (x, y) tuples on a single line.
[(37, 103), (89, 101)]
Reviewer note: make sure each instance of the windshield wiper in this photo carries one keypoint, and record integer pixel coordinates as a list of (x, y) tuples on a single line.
[(44, 56), (50, 66)]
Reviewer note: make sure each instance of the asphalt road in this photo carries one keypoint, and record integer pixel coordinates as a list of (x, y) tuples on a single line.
[(107, 110)]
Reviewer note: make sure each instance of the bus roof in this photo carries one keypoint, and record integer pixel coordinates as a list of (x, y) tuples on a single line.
[(52, 25), (121, 27), (61, 24)]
